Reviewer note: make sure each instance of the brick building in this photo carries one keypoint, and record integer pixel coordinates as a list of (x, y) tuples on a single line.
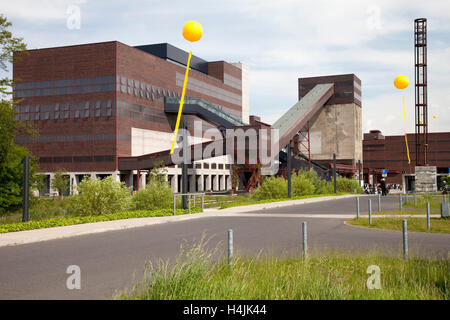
[(389, 152), (94, 103), (337, 128)]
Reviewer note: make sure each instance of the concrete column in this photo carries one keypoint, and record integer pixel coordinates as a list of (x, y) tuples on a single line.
[(222, 182), (143, 180), (73, 183), (116, 176), (174, 183), (208, 182), (93, 176), (200, 183), (228, 182), (215, 181), (51, 190)]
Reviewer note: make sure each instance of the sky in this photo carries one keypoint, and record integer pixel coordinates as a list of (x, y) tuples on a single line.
[(280, 41)]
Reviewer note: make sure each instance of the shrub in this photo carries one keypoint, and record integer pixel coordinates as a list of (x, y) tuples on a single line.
[(61, 182), (271, 188), (302, 184), (156, 195), (98, 196), (347, 185), (321, 186)]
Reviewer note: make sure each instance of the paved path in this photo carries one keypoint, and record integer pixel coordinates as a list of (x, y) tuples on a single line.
[(108, 260)]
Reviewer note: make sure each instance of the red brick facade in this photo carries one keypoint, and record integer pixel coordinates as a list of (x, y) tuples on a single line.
[(389, 152), (89, 129)]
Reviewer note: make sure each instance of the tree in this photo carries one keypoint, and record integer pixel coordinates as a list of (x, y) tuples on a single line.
[(60, 182), (11, 155), (9, 45)]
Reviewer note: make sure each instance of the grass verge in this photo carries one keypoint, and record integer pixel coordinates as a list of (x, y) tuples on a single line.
[(66, 221), (250, 201), (196, 276), (405, 212), (438, 225)]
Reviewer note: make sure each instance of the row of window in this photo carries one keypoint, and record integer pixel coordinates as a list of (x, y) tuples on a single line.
[(69, 159), (65, 90), (209, 90), (232, 81), (74, 138), (72, 106), (65, 114), (124, 85), (206, 165), (64, 82)]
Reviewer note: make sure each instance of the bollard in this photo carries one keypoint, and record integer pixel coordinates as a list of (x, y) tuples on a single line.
[(305, 239), (357, 207), (428, 216), (230, 247), (370, 211), (379, 202), (415, 200), (405, 240), (400, 201)]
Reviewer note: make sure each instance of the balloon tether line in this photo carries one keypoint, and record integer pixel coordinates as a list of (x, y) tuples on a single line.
[(406, 139), (180, 110)]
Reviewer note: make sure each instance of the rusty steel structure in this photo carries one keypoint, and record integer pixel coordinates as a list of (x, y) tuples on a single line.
[(421, 97)]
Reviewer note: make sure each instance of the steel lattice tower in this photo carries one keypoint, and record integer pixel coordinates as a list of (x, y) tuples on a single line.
[(420, 62)]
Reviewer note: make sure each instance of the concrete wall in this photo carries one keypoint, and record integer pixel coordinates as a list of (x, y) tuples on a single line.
[(337, 129)]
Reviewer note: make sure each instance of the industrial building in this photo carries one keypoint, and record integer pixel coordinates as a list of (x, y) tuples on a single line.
[(389, 152), (95, 103), (110, 109), (337, 128)]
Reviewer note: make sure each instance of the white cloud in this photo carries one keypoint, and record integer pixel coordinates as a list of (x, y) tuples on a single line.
[(280, 41)]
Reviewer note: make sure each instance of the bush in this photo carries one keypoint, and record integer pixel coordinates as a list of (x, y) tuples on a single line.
[(301, 184), (98, 197), (271, 188), (347, 185), (321, 186), (156, 195)]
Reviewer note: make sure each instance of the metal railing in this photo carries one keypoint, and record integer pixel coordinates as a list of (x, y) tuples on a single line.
[(190, 195), (207, 106)]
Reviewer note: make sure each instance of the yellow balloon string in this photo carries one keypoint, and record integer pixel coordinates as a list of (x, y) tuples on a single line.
[(406, 139), (181, 103)]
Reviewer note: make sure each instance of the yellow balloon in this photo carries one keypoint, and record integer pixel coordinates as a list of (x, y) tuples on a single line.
[(401, 82), (192, 31)]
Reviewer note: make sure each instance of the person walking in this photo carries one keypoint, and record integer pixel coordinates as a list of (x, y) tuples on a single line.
[(383, 187)]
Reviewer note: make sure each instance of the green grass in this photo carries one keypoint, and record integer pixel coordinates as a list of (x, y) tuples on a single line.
[(251, 201), (66, 221), (197, 276), (405, 212), (438, 225), (421, 201)]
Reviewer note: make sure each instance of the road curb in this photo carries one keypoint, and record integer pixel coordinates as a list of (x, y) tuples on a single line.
[(39, 235)]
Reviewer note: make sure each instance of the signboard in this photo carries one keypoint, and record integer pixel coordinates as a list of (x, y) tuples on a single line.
[(384, 172)]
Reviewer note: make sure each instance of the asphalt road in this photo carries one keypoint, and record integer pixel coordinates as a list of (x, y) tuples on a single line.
[(109, 260)]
